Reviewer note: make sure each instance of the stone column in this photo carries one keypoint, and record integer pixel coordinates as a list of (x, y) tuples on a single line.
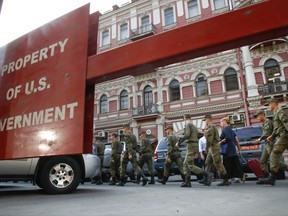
[(160, 94), (252, 87)]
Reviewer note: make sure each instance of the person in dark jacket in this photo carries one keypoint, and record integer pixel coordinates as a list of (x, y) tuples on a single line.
[(230, 157), (146, 155)]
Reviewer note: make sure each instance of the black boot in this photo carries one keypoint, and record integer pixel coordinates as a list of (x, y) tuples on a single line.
[(122, 181), (144, 179), (163, 180), (152, 181), (207, 178), (187, 182), (225, 181), (270, 180), (100, 182), (183, 177), (138, 178), (113, 181)]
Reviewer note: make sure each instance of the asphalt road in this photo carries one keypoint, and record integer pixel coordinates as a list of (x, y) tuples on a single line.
[(243, 199)]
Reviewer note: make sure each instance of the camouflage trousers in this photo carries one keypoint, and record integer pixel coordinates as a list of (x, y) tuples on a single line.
[(124, 162), (174, 157), (115, 166), (214, 157), (147, 158), (188, 165), (280, 146)]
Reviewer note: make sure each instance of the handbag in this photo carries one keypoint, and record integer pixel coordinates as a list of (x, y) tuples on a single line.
[(223, 148)]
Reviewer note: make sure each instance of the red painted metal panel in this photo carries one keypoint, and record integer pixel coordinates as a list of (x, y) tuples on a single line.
[(245, 26), (42, 80)]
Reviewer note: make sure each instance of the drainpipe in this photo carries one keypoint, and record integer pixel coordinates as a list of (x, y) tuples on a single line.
[(247, 117)]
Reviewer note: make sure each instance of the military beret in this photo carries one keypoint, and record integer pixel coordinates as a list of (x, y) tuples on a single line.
[(271, 100), (259, 112), (114, 134), (187, 116), (169, 127), (207, 116), (126, 126)]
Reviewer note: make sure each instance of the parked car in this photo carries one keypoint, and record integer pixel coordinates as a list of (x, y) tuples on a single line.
[(54, 174), (249, 150), (106, 164)]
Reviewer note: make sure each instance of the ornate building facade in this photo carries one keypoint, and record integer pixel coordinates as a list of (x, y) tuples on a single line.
[(232, 83)]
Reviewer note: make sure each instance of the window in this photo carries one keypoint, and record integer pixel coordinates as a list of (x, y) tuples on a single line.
[(272, 69), (105, 38), (219, 4), (201, 85), (169, 16), (103, 104), (174, 88), (124, 100), (145, 24), (123, 31), (148, 96), (193, 8), (231, 79)]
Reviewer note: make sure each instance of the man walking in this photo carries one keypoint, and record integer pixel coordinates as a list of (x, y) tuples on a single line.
[(267, 129), (146, 155), (98, 149), (130, 155), (191, 137), (116, 150), (172, 155), (280, 133), (213, 149)]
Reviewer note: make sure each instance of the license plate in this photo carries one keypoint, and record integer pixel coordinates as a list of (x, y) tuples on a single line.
[(249, 147)]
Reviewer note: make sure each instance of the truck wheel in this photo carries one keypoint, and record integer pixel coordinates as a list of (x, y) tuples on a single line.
[(60, 175)]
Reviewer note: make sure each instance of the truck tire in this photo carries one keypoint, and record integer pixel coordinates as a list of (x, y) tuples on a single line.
[(60, 175)]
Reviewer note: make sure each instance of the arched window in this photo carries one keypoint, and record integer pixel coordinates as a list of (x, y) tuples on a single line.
[(174, 88), (123, 100), (148, 96), (193, 8), (231, 79), (201, 85), (272, 69), (103, 104)]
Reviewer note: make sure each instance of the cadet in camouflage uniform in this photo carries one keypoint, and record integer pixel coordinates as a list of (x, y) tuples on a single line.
[(146, 155), (267, 129), (191, 136), (98, 149), (213, 151), (280, 133), (172, 155), (116, 150), (130, 155)]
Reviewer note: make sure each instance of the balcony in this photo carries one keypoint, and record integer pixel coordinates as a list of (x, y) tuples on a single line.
[(273, 88), (145, 110), (143, 31)]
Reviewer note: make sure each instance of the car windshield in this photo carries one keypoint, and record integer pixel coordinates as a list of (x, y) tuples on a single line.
[(248, 134)]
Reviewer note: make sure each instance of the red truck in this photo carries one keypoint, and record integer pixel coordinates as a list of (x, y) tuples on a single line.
[(47, 82)]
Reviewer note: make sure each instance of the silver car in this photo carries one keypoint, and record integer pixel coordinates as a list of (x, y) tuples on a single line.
[(56, 175)]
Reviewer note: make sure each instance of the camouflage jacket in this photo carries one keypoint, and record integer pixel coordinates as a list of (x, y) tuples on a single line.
[(280, 123), (212, 136)]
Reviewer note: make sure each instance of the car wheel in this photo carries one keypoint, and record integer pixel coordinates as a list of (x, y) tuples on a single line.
[(60, 175)]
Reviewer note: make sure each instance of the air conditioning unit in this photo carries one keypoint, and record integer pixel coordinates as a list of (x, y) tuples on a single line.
[(236, 117), (268, 113), (101, 133)]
